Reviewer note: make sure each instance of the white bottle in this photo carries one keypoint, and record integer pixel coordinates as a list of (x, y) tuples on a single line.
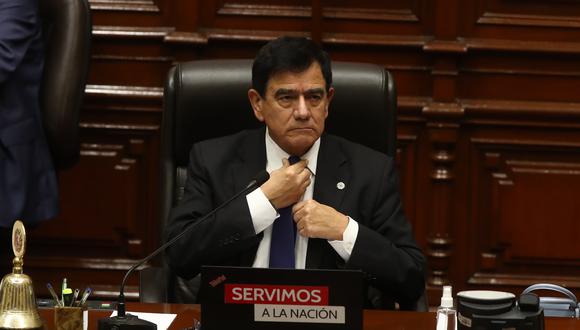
[(446, 314)]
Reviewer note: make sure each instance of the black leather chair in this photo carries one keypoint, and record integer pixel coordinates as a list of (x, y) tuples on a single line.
[(67, 35), (205, 99)]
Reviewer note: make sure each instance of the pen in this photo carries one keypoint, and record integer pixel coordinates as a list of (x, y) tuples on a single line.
[(85, 296), (53, 294), (67, 295), (75, 297), (62, 289)]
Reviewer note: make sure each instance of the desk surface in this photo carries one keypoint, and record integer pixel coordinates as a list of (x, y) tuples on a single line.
[(373, 319)]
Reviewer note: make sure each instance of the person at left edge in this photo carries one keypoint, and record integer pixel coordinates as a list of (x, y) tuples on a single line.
[(28, 186)]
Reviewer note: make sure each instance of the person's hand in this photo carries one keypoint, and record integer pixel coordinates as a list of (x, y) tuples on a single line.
[(318, 220), (287, 184)]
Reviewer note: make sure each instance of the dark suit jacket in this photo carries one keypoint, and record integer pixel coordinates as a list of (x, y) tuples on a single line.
[(28, 188), (385, 248)]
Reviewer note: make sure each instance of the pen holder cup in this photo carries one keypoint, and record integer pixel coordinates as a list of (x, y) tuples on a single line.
[(70, 318)]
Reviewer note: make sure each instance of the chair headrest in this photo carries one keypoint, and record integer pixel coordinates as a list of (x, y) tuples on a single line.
[(206, 99)]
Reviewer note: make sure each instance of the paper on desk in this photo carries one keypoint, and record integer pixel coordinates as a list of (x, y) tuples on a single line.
[(162, 320)]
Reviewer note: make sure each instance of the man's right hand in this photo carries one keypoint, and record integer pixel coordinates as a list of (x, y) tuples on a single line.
[(287, 184)]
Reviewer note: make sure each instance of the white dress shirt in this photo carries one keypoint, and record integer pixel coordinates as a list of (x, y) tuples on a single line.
[(263, 213)]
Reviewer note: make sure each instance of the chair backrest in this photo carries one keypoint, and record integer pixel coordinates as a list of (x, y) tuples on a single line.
[(67, 34), (206, 99)]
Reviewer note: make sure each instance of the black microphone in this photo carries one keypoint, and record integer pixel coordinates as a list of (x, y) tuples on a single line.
[(127, 321)]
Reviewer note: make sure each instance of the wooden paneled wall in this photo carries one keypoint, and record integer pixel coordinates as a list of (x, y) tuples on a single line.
[(489, 138)]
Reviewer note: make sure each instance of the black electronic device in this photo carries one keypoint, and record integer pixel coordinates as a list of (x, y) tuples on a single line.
[(496, 310), (556, 306), (282, 299), (124, 321)]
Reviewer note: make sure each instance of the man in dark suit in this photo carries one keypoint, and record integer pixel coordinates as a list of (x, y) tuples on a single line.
[(343, 197), (28, 187)]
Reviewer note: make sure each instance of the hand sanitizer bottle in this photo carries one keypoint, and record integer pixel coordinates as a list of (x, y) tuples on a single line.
[(446, 314)]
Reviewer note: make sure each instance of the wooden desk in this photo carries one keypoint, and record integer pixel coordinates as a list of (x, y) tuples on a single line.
[(373, 320)]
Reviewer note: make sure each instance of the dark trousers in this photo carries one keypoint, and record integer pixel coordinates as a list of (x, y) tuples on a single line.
[(6, 253)]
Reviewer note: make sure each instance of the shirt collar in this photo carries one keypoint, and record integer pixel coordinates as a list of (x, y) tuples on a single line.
[(274, 154)]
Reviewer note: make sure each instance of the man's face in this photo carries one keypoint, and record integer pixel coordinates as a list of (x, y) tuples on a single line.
[(294, 108)]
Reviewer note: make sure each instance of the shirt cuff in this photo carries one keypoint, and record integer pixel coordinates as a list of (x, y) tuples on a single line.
[(261, 210), (344, 247)]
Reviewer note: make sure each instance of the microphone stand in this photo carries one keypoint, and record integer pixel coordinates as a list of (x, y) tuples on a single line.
[(125, 321)]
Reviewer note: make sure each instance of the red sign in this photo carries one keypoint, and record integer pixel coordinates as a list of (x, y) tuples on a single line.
[(275, 294)]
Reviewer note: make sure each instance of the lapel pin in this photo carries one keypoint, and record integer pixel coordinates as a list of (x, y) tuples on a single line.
[(340, 185)]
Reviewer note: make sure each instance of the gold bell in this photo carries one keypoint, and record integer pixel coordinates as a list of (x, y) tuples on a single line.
[(17, 300)]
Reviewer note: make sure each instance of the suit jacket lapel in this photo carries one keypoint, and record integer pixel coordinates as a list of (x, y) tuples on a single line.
[(250, 160), (331, 183)]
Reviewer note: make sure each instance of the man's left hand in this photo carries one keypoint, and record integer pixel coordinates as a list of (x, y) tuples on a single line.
[(318, 220)]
